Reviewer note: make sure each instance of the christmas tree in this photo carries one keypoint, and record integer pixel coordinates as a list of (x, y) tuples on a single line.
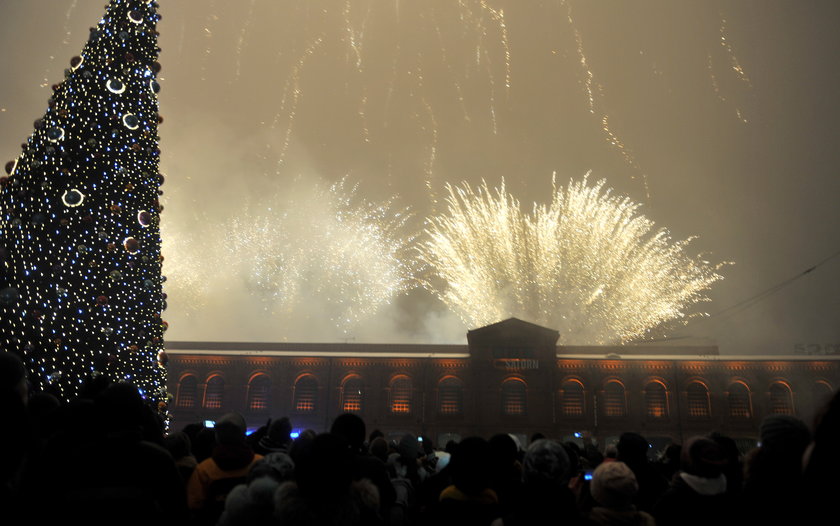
[(80, 261)]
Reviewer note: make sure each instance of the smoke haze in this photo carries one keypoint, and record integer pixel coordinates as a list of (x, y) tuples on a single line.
[(720, 117)]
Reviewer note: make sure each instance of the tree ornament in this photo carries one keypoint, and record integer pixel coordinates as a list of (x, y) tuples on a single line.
[(73, 198), (116, 86), (144, 218), (55, 134), (131, 121), (131, 245)]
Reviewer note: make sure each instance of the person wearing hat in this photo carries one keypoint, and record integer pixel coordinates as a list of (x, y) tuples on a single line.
[(614, 487), (773, 473), (632, 450), (227, 467), (546, 497), (698, 493), (469, 501), (278, 438), (14, 438)]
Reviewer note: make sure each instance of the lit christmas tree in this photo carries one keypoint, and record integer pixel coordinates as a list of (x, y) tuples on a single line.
[(80, 261)]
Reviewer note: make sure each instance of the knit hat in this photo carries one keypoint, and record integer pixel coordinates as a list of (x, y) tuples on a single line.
[(280, 430), (546, 461), (408, 447), (784, 432), (279, 466), (230, 429), (632, 446), (614, 485), (351, 428), (703, 457)]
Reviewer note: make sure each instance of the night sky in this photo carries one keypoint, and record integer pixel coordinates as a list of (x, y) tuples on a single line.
[(719, 117)]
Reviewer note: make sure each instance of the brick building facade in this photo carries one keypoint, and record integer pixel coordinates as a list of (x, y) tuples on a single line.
[(510, 377)]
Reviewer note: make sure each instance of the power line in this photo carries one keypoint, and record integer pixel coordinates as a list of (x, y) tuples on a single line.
[(752, 300), (749, 302)]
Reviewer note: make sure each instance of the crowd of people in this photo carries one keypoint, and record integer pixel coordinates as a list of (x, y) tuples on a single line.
[(106, 458)]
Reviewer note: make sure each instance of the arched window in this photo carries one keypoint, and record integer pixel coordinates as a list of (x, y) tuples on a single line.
[(656, 400), (187, 391), (738, 400), (781, 399), (258, 392), (401, 394), (351, 394), (698, 400), (450, 396), (615, 400), (514, 397), (215, 392), (822, 393), (572, 398), (306, 394)]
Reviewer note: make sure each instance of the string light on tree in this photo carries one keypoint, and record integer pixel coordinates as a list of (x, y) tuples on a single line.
[(80, 261)]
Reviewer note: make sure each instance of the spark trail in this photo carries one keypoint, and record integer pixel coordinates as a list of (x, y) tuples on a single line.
[(588, 264), (326, 247)]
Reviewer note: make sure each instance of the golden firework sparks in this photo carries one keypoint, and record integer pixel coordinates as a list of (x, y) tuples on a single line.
[(324, 245), (588, 264)]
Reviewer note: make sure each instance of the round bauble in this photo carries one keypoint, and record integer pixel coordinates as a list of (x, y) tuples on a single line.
[(131, 245)]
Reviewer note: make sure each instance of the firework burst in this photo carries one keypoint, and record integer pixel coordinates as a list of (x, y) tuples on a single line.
[(588, 264), (325, 247)]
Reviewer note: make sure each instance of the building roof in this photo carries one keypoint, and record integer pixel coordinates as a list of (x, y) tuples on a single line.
[(511, 332), (360, 350)]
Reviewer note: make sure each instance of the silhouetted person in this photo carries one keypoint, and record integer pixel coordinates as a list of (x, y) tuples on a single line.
[(351, 428), (773, 473), (697, 495), (216, 476), (101, 470), (632, 450), (614, 487), (14, 435), (734, 469), (820, 483), (252, 504), (180, 447), (669, 461), (469, 500), (324, 492), (545, 498), (277, 439), (506, 471)]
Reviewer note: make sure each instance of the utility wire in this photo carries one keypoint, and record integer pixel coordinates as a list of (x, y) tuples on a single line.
[(752, 300), (772, 290)]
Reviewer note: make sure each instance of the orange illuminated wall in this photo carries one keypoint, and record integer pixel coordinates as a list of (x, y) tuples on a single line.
[(697, 395), (514, 397), (450, 396), (572, 398), (351, 394), (615, 399), (401, 394), (306, 392)]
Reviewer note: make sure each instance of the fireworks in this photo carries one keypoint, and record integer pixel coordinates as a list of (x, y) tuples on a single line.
[(589, 264), (325, 248)]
